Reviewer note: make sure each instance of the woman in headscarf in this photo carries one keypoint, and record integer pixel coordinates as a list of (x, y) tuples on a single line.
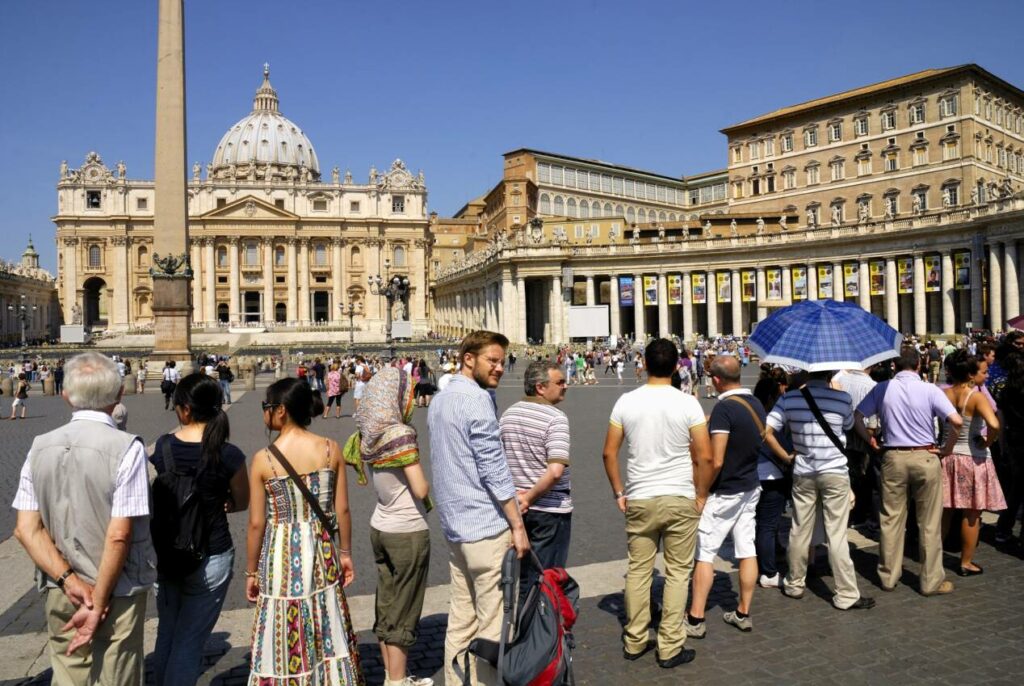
[(386, 443)]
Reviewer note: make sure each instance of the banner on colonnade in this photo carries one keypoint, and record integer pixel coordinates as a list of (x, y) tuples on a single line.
[(962, 265), (932, 274), (650, 290), (724, 287), (773, 279), (626, 291), (826, 289), (905, 275), (851, 280), (700, 288), (675, 289), (749, 280), (799, 283), (876, 270)]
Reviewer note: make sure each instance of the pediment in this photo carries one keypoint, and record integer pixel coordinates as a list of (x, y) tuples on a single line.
[(249, 208)]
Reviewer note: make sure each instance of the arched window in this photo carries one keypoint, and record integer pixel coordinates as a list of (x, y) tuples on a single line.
[(662, 217), (584, 209), (399, 256), (252, 253), (320, 254), (559, 206), (631, 215), (595, 210), (570, 207), (222, 256), (619, 212), (143, 256), (95, 256), (357, 257), (279, 256), (607, 209), (545, 203), (641, 216), (672, 216)]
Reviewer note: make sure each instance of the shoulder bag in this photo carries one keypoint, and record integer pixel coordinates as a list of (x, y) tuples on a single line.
[(762, 432), (822, 422), (329, 526)]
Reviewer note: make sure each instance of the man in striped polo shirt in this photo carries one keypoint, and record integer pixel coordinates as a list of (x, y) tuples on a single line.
[(820, 473), (535, 435)]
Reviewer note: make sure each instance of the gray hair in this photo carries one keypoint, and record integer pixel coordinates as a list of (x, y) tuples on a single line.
[(537, 373), (91, 382)]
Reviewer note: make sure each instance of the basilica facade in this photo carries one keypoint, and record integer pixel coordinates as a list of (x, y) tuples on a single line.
[(904, 196), (274, 243)]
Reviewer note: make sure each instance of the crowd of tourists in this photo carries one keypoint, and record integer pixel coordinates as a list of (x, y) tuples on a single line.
[(872, 447)]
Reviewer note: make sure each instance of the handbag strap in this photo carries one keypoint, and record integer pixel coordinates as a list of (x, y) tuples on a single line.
[(313, 502), (822, 422), (750, 408)]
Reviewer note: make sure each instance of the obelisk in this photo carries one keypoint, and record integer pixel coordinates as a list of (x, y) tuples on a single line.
[(172, 273)]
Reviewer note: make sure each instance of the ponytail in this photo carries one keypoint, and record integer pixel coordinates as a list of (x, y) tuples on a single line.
[(204, 399)]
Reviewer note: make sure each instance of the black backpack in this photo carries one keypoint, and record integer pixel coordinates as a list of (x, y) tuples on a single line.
[(180, 531)]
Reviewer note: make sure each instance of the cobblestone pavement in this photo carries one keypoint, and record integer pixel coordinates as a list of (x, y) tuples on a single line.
[(975, 635)]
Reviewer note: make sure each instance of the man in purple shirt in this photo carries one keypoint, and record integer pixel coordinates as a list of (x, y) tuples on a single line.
[(907, 407)]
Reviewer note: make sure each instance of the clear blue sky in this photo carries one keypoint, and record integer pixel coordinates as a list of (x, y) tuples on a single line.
[(449, 86)]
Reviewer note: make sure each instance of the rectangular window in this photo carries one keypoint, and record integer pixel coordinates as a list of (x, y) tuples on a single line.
[(921, 200), (737, 155), (279, 203), (835, 132), (582, 180), (544, 173), (860, 126), (755, 151), (92, 200), (319, 205), (579, 231), (864, 166), (889, 120), (789, 180), (251, 254), (142, 203), (999, 116), (947, 106), (917, 113), (629, 188), (398, 204), (651, 194), (222, 202), (570, 178), (951, 195), (755, 187), (769, 147), (892, 161), (606, 183), (662, 194), (1002, 157), (695, 197), (920, 156), (891, 205), (556, 176), (737, 189), (354, 206), (787, 143), (595, 181), (769, 184), (810, 138), (617, 185), (719, 191), (813, 175), (838, 171)]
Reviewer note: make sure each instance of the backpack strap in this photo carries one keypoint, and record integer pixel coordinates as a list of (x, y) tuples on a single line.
[(822, 422), (168, 454), (314, 504)]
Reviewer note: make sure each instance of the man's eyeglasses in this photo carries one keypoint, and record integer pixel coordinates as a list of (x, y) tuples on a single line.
[(269, 406)]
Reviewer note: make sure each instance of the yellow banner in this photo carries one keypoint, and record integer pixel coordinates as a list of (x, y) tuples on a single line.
[(799, 283), (724, 287), (962, 266), (773, 282), (876, 270), (749, 286), (675, 289), (650, 290), (825, 285), (851, 280), (905, 275), (932, 274), (699, 286)]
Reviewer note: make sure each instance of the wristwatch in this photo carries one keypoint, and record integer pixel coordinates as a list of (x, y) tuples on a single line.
[(619, 494), (64, 577)]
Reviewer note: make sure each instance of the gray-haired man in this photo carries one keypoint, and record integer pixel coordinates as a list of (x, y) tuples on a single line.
[(83, 518), (535, 435)]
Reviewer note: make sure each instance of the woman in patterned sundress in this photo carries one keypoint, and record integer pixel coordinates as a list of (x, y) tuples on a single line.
[(302, 632)]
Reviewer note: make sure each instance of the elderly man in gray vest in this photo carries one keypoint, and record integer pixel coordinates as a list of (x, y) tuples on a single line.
[(83, 518)]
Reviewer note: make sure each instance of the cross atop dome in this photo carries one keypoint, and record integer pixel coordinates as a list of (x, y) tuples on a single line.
[(266, 96)]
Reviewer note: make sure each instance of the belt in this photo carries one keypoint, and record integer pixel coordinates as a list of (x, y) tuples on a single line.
[(907, 448)]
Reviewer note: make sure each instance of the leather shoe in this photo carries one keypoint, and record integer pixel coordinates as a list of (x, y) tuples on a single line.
[(963, 571), (861, 604), (636, 656), (944, 588), (681, 658)]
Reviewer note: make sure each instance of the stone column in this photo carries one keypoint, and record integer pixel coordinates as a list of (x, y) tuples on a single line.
[(119, 317), (977, 313), (1011, 276), (338, 281), (555, 310), (663, 328), (995, 288), (711, 294), (812, 281), (210, 276), (737, 303), (234, 280), (892, 303), (949, 294), (508, 305), (268, 280), (762, 291), (838, 294), (613, 310), (196, 249), (687, 307), (70, 279), (638, 308), (920, 303), (521, 307), (304, 281), (591, 298), (864, 285), (293, 283)]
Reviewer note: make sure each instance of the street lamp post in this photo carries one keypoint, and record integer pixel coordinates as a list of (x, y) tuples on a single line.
[(349, 311), (22, 316), (393, 288)]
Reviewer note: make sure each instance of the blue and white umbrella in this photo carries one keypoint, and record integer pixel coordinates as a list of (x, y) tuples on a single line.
[(820, 335)]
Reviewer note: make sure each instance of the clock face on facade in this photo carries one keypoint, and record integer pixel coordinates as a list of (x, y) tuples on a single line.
[(93, 173)]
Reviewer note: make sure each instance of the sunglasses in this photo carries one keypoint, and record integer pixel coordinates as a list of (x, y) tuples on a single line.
[(269, 406)]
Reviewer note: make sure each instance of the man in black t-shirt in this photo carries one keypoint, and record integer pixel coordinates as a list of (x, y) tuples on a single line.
[(737, 428)]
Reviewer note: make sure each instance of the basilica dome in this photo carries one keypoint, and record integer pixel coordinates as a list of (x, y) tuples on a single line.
[(265, 145)]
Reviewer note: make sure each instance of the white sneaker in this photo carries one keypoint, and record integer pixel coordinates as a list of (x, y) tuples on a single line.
[(410, 681), (769, 581)]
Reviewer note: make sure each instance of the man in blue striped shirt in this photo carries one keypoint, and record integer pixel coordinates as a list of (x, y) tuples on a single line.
[(476, 500)]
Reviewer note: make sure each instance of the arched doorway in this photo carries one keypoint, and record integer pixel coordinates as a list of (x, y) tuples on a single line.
[(280, 313), (95, 303), (222, 313), (251, 301)]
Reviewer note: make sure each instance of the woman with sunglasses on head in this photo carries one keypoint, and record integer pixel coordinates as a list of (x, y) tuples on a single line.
[(190, 592), (295, 570)]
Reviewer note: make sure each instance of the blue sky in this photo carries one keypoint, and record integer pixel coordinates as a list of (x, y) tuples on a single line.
[(449, 86)]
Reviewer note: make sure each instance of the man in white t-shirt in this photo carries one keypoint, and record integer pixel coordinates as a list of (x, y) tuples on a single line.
[(669, 471)]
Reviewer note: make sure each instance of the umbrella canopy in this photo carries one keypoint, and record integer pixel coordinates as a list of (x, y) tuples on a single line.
[(1016, 323), (820, 335)]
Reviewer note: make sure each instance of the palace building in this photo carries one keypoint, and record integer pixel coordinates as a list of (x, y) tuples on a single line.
[(904, 196), (273, 244), (28, 302)]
